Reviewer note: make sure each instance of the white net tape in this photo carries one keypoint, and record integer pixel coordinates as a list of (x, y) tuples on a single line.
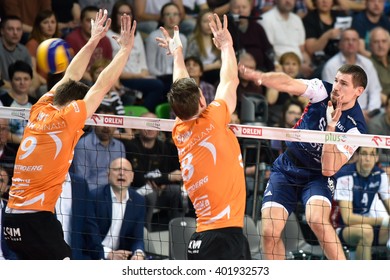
[(245, 131)]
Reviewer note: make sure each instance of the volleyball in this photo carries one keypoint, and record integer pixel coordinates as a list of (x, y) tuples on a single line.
[(53, 56)]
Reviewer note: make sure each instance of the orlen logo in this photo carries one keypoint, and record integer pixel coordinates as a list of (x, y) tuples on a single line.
[(376, 139), (113, 120), (252, 131), (387, 141)]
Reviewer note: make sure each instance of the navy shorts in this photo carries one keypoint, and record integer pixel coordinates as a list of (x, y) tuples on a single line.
[(35, 236), (219, 244), (289, 184)]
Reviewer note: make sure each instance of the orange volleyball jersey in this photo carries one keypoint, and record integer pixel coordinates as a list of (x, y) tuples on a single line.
[(45, 154), (212, 168)]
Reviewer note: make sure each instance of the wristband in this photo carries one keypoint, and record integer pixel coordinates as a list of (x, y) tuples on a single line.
[(329, 111), (139, 253), (175, 42), (385, 222)]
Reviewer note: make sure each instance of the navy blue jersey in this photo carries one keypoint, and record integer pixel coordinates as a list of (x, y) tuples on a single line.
[(314, 118), (350, 186)]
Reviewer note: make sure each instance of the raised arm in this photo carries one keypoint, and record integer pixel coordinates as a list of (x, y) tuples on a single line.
[(174, 47), (227, 88), (110, 75), (79, 63), (277, 80)]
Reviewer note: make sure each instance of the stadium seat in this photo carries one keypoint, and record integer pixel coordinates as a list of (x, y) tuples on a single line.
[(135, 110), (156, 244), (180, 232), (163, 111)]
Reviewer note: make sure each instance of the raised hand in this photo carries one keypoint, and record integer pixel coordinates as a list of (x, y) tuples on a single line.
[(100, 25), (249, 74), (333, 114), (126, 37), (221, 34), (171, 44)]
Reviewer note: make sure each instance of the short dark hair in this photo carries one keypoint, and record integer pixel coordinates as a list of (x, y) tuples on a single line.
[(359, 76), (184, 98), (19, 66), (105, 109), (88, 9), (5, 19), (69, 91), (196, 60)]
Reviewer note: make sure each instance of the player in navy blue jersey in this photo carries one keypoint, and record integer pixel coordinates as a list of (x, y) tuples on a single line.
[(357, 186), (305, 170)]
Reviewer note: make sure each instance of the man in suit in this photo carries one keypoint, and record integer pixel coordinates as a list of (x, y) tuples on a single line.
[(115, 223)]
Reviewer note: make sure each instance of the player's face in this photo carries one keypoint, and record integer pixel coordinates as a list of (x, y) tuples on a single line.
[(344, 90), (121, 173), (367, 159)]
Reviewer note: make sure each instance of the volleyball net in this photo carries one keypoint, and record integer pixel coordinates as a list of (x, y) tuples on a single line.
[(300, 242)]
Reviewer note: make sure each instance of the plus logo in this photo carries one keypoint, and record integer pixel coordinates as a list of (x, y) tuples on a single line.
[(376, 139)]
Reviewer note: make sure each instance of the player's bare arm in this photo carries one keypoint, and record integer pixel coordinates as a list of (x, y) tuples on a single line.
[(111, 73), (332, 158), (276, 80), (174, 47), (79, 63), (222, 39)]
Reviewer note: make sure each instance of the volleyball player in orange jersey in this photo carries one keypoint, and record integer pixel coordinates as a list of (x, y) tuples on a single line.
[(209, 153), (46, 151)]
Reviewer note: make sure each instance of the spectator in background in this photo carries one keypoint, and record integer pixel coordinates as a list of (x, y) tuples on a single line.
[(21, 75), (157, 176), (348, 54), (249, 36), (291, 65), (364, 21), (7, 154), (148, 13), (136, 73), (113, 97), (380, 57), (200, 44), (357, 185), (322, 37), (380, 125), (11, 49), (195, 69), (115, 222), (291, 113), (159, 65), (68, 15), (26, 11), (45, 27), (219, 7), (286, 33), (80, 36), (102, 4), (95, 151)]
